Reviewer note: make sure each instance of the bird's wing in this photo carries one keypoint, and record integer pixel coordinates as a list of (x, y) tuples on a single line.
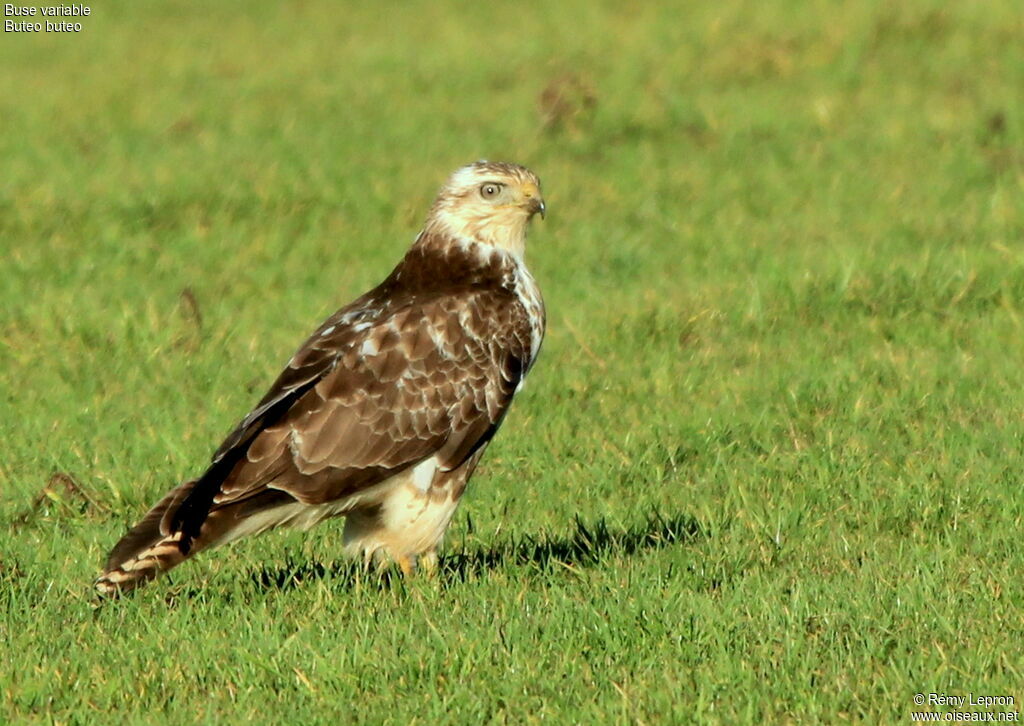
[(314, 360), (366, 398)]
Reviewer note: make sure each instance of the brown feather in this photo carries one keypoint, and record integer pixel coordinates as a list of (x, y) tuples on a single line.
[(424, 365)]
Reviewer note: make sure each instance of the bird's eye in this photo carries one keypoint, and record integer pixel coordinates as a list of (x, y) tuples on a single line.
[(490, 191)]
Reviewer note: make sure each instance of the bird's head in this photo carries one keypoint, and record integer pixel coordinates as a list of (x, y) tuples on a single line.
[(490, 203)]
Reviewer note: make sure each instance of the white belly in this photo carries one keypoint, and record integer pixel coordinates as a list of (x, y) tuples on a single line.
[(410, 516), (399, 518)]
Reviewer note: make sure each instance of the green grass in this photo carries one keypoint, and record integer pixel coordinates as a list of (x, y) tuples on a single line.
[(768, 468)]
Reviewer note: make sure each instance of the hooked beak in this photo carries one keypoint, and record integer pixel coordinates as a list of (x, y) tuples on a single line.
[(534, 202)]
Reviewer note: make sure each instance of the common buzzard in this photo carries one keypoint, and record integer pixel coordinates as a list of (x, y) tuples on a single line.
[(384, 412)]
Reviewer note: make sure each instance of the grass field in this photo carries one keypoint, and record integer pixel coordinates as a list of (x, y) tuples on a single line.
[(767, 468)]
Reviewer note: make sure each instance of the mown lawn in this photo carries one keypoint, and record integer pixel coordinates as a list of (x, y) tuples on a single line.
[(768, 468)]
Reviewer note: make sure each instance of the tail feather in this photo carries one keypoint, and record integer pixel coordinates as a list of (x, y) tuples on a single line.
[(142, 566), (152, 528), (148, 549), (151, 547)]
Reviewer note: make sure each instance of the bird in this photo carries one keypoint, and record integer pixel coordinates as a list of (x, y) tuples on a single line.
[(384, 412)]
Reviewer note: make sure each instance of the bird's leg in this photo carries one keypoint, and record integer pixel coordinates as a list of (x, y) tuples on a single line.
[(428, 562), (407, 563), (374, 560)]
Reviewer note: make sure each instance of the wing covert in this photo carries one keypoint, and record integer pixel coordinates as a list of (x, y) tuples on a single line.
[(428, 378)]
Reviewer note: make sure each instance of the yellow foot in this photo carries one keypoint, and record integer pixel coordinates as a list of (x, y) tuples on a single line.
[(407, 563), (428, 563), (380, 560)]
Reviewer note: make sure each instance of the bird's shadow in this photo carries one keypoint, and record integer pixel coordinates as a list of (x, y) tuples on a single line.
[(584, 547)]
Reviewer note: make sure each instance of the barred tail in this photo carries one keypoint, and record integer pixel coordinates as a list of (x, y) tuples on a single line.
[(157, 543), (148, 549), (142, 566)]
